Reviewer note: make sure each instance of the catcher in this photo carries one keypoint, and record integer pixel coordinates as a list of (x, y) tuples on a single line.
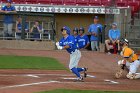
[(129, 63)]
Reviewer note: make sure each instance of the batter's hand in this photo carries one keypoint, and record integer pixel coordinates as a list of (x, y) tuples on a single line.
[(58, 46)]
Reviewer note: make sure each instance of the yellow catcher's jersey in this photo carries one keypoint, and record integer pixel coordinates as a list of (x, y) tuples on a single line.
[(129, 53)]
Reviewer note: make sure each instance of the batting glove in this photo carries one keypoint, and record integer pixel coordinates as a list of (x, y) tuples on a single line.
[(60, 47)]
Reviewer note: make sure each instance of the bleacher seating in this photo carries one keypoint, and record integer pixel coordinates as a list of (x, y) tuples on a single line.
[(134, 4), (95, 2), (121, 3), (31, 1), (69, 2), (82, 2), (106, 2), (57, 2), (44, 1)]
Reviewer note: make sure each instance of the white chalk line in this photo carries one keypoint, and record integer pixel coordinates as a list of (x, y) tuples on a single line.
[(30, 84), (36, 75), (111, 81), (91, 76)]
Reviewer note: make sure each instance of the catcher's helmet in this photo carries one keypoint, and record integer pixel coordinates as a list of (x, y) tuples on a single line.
[(67, 29), (82, 29), (123, 40)]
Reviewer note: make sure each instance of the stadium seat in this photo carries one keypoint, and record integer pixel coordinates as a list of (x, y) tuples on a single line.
[(95, 2), (2, 1), (82, 2), (44, 1), (16, 1), (57, 2), (69, 2), (106, 2), (134, 6), (121, 3), (31, 1), (22, 1)]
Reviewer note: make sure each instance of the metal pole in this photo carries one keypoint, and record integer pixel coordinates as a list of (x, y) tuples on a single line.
[(23, 27)]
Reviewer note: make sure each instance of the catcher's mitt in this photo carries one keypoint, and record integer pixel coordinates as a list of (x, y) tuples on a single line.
[(122, 71)]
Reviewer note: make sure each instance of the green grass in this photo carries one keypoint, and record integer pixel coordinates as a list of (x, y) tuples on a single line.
[(81, 91), (29, 62)]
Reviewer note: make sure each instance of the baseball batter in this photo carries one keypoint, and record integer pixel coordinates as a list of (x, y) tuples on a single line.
[(130, 61), (68, 42)]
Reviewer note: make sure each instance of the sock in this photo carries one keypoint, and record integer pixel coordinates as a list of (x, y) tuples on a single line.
[(75, 71), (80, 69)]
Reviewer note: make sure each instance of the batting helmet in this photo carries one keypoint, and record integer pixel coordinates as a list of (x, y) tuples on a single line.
[(9, 1), (82, 29), (67, 29), (76, 29)]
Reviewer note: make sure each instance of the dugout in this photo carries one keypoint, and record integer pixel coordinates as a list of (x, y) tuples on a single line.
[(73, 16)]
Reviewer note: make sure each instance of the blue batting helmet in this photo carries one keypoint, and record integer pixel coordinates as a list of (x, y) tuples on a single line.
[(82, 29), (9, 1), (76, 29), (67, 29)]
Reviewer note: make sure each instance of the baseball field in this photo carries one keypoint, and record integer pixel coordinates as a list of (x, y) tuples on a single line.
[(32, 71)]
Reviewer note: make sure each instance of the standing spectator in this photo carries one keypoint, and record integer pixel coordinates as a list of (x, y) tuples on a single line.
[(8, 18), (114, 36), (93, 31), (83, 40), (19, 27), (36, 30)]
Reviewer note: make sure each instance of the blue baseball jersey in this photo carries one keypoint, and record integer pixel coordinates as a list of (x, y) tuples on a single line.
[(82, 41), (70, 41), (114, 34), (8, 18), (94, 28), (75, 38), (19, 26)]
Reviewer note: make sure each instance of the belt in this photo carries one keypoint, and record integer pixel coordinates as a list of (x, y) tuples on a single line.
[(73, 51)]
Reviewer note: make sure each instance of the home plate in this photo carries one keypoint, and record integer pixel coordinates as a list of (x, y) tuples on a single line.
[(29, 75)]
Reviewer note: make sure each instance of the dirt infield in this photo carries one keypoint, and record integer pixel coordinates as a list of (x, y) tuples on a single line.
[(100, 74)]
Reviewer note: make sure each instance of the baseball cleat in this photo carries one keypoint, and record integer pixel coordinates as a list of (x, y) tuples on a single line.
[(79, 79), (85, 72)]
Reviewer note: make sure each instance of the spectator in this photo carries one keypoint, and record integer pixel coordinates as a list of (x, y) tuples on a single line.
[(36, 30), (8, 18), (94, 31), (83, 40), (19, 27), (114, 35)]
